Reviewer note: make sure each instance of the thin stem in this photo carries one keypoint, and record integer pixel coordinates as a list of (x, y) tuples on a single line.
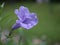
[(10, 33)]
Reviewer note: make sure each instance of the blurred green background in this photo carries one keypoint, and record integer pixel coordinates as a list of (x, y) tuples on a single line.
[(48, 16)]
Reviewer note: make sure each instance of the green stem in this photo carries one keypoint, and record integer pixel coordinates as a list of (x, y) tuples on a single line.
[(10, 33)]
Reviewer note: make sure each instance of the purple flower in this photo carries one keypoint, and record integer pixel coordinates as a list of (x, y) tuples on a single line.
[(26, 19)]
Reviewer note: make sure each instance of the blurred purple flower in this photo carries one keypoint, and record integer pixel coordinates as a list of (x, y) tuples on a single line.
[(26, 19)]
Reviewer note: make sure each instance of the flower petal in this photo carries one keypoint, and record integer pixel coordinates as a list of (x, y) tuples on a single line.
[(26, 26), (16, 11), (23, 9), (21, 14), (34, 17)]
